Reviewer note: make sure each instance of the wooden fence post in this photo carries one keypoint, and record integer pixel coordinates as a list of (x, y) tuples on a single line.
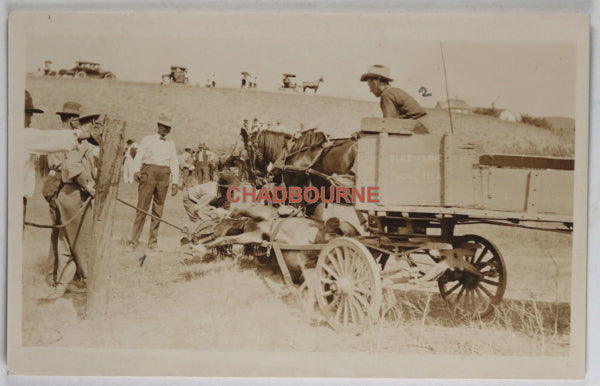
[(107, 186)]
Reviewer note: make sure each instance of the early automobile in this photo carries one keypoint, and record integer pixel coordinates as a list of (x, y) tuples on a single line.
[(178, 74), (85, 69), (47, 70), (287, 83)]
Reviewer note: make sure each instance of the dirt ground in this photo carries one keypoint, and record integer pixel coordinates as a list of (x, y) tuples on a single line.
[(239, 304)]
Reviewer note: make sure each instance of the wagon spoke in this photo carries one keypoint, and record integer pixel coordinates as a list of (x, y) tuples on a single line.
[(333, 274), (466, 299), (347, 313), (349, 260), (357, 309), (326, 294), (490, 282), (459, 295), (483, 253), (452, 289), (326, 280), (334, 262), (339, 259), (485, 290), (361, 288), (338, 312), (331, 305), (479, 295), (363, 300), (352, 268)]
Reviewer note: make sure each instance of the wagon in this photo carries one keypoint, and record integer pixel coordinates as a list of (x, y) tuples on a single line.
[(178, 74), (428, 185), (287, 84)]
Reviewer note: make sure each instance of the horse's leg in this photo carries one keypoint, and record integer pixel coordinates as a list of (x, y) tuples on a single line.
[(244, 238)]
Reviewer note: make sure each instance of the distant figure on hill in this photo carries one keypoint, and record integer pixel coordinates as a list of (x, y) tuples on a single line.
[(213, 81), (255, 82), (394, 102), (243, 81)]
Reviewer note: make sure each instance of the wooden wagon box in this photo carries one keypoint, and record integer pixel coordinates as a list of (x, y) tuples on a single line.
[(429, 173)]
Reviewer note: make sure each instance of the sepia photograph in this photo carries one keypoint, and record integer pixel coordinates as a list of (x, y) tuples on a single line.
[(331, 195)]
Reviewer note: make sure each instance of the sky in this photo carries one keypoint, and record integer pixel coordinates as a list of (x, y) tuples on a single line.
[(536, 78)]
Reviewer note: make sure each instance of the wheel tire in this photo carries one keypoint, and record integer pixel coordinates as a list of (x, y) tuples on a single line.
[(348, 285), (80, 75), (472, 295), (109, 76)]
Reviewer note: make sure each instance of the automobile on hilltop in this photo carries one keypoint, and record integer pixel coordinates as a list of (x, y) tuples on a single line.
[(85, 69)]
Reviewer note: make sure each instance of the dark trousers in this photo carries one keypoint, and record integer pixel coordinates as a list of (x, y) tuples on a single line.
[(203, 173), (153, 187)]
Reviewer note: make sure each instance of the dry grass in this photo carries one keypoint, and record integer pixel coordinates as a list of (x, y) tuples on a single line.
[(238, 304)]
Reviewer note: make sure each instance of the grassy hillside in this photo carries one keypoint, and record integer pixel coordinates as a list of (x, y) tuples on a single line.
[(214, 116), (562, 124)]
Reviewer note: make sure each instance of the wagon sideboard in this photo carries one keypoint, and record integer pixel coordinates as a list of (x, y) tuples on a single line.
[(430, 173)]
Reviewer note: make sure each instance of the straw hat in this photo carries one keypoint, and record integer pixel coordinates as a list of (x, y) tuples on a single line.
[(29, 104), (164, 120), (377, 72), (70, 108)]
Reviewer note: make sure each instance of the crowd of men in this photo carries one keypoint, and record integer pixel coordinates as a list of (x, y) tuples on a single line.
[(72, 153)]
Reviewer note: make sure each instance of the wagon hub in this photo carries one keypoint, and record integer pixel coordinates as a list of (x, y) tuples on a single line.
[(469, 280), (345, 286)]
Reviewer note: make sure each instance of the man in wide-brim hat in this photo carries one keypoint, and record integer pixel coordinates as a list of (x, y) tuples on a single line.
[(69, 112), (394, 102), (78, 176), (30, 109), (156, 165)]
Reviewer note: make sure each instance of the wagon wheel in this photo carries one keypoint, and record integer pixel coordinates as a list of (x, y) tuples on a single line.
[(471, 294), (348, 285), (80, 74)]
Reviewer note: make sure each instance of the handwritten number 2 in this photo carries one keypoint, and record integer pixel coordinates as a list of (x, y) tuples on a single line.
[(423, 92)]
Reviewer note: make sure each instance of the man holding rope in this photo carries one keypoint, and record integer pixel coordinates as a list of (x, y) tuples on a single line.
[(73, 198)]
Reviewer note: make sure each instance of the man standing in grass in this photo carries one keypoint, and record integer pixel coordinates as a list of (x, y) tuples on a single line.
[(155, 165)]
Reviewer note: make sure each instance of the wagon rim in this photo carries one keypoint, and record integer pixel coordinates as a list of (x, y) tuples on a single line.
[(476, 295), (349, 286)]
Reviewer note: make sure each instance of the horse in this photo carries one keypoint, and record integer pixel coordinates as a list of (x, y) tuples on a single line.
[(320, 161), (263, 149), (312, 84), (255, 224)]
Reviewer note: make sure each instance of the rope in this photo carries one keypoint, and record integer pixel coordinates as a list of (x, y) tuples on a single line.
[(85, 204), (151, 215)]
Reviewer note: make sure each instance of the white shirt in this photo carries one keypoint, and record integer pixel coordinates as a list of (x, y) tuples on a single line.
[(208, 190), (38, 142), (128, 150), (158, 152)]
